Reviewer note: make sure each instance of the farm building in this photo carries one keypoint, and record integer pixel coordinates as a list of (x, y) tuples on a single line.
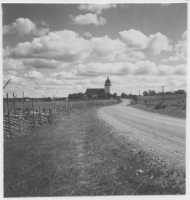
[(173, 99), (99, 91)]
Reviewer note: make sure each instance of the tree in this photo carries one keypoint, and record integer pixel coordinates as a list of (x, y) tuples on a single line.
[(75, 96), (180, 92), (90, 96), (48, 99), (151, 92), (114, 95), (105, 95), (70, 96), (100, 96), (135, 97), (109, 95), (145, 93), (168, 93), (80, 95), (122, 95)]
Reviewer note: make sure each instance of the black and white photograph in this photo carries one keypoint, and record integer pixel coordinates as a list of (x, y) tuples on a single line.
[(94, 99)]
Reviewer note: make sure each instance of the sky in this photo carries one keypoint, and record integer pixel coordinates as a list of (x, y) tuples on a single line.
[(58, 49)]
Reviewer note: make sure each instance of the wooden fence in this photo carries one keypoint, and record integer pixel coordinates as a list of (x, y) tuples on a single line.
[(19, 118)]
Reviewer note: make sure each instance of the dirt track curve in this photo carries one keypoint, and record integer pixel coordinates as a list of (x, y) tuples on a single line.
[(156, 133)]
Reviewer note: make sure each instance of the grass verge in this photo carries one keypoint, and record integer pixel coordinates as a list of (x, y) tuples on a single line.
[(172, 110), (82, 156)]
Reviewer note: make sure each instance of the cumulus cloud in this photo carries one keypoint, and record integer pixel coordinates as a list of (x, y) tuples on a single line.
[(87, 34), (44, 23), (57, 49), (67, 46), (180, 50), (139, 68), (119, 69), (165, 70), (24, 26), (43, 64), (104, 47), (180, 70), (50, 81), (63, 75), (134, 38), (9, 72), (131, 56), (143, 67), (96, 8), (41, 32), (14, 79), (34, 75), (14, 65), (88, 19), (158, 43), (96, 69), (154, 43), (63, 46)]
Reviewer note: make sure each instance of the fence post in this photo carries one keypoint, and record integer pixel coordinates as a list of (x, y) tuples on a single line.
[(3, 106), (59, 108), (54, 107), (19, 122), (23, 102), (40, 115), (8, 115), (33, 115), (14, 102)]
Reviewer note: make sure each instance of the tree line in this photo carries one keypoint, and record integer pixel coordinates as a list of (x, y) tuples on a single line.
[(80, 96), (128, 96), (151, 93)]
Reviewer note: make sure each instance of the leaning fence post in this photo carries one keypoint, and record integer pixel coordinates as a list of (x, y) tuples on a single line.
[(8, 115)]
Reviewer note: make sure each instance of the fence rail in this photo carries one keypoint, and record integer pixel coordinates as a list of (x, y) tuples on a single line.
[(20, 118)]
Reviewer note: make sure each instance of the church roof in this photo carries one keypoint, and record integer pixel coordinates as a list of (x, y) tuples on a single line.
[(95, 91), (108, 82)]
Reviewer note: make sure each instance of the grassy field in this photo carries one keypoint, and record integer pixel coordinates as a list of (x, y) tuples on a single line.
[(81, 156), (20, 106), (170, 110)]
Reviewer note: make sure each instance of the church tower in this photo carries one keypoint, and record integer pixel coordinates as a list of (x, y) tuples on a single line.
[(107, 85)]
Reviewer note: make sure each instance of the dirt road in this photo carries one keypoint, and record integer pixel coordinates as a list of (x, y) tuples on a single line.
[(156, 133)]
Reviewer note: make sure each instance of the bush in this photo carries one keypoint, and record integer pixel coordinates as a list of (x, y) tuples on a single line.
[(158, 106)]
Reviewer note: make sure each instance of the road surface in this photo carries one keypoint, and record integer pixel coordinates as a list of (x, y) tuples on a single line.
[(160, 134)]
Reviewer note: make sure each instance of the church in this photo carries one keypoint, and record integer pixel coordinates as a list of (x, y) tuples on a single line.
[(95, 92)]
